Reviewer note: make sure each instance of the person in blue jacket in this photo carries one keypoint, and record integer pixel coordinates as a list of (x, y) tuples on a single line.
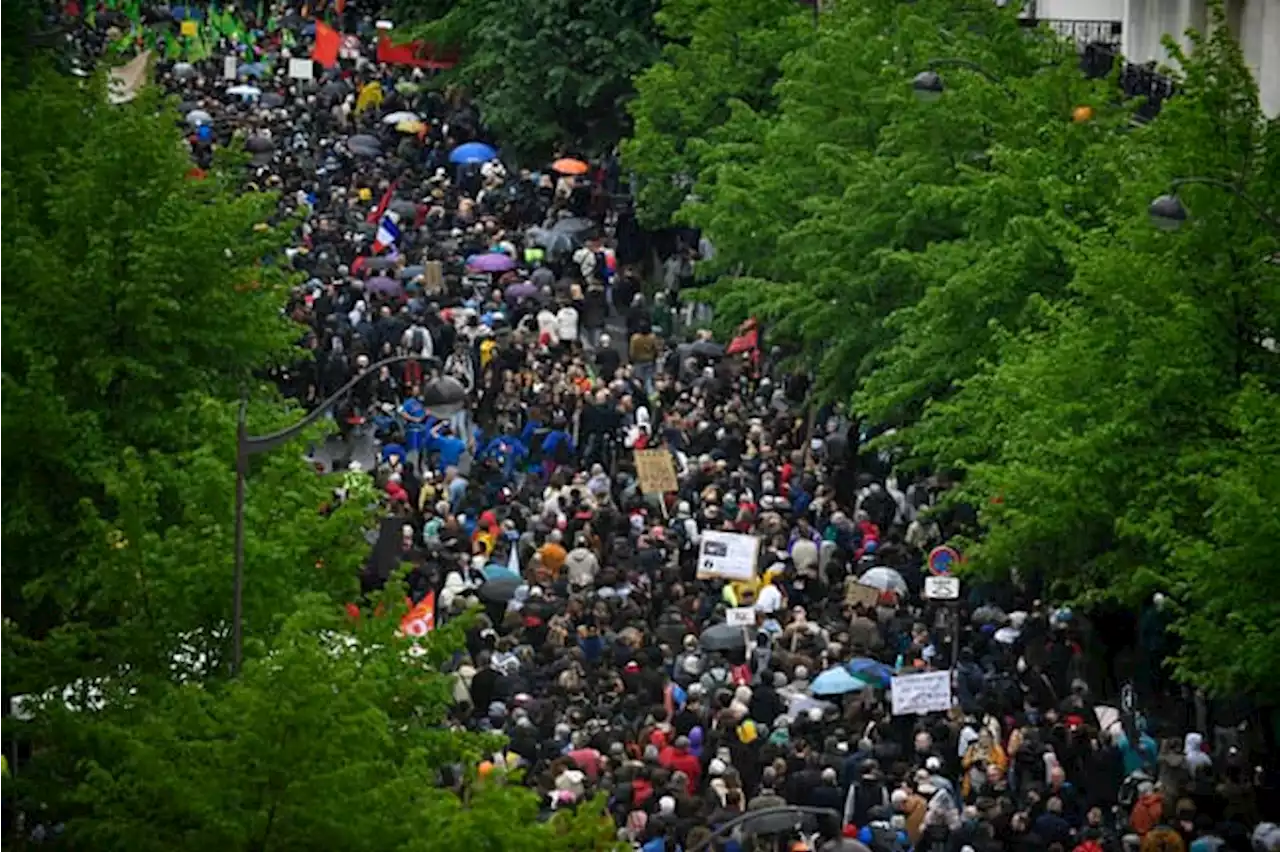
[(558, 447), (508, 451), (415, 415), (449, 446)]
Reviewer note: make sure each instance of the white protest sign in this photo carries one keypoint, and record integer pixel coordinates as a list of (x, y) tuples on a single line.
[(740, 616), (727, 556), (917, 694), (942, 588), (228, 68), (301, 69)]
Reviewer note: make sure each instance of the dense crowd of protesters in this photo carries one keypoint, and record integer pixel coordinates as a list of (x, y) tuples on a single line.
[(504, 465)]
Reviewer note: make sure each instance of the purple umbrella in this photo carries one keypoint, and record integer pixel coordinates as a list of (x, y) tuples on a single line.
[(492, 262), (384, 285), (522, 290)]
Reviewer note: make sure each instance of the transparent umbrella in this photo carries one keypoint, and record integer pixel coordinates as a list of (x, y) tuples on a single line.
[(884, 579)]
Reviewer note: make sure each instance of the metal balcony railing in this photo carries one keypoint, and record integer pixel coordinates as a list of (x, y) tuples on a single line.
[(1136, 81), (1087, 32), (1099, 45)]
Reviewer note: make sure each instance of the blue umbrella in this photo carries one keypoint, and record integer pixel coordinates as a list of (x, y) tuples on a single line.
[(252, 69), (872, 670), (494, 571), (473, 152), (837, 681)]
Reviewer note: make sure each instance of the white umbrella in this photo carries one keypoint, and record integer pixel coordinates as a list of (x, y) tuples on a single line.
[(1007, 635), (884, 579), (198, 117), (244, 91), (402, 115)]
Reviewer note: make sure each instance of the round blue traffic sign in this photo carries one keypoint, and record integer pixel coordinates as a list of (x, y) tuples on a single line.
[(942, 560)]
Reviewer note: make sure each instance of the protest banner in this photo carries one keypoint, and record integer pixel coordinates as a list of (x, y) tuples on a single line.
[(856, 594), (917, 694), (740, 616), (727, 556), (656, 471), (301, 69)]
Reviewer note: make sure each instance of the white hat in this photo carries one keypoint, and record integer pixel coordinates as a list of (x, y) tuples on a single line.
[(716, 767), (667, 805)]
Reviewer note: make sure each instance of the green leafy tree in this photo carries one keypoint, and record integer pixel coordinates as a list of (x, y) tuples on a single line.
[(844, 207), (547, 76), (137, 305), (716, 52), (1126, 445), (334, 736)]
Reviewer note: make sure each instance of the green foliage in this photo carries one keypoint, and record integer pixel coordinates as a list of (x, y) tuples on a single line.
[(546, 74), (856, 198), (138, 306), (718, 52), (323, 742), (980, 271)]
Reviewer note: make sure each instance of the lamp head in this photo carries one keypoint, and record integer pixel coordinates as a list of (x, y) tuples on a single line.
[(1168, 213), (928, 86)]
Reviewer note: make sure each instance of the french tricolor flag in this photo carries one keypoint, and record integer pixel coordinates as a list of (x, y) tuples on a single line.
[(388, 233)]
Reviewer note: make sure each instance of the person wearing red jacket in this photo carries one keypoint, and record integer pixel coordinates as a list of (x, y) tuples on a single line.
[(678, 758)]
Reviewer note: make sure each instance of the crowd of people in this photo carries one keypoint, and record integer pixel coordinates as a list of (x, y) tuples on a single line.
[(504, 465)]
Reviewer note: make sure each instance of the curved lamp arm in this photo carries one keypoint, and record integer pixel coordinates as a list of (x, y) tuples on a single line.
[(1257, 208), (957, 62), (799, 810), (252, 445), (934, 64)]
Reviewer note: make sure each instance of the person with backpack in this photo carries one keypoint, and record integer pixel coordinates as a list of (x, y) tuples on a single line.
[(879, 834), (417, 340)]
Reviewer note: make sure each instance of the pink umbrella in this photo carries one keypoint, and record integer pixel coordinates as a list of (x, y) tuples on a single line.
[(492, 262)]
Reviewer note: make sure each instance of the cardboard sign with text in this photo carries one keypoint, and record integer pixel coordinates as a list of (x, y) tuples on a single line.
[(856, 594), (656, 471), (433, 276)]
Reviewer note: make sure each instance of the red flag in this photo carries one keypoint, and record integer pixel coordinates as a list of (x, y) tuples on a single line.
[(341, 6), (327, 42), (417, 53), (421, 619), (376, 215)]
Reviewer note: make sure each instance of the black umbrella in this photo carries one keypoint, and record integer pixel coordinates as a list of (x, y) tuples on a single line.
[(499, 591), (364, 145), (258, 144), (445, 390), (403, 207), (555, 242), (707, 349), (334, 89), (411, 272), (779, 822), (723, 637), (575, 226), (376, 263), (271, 100)]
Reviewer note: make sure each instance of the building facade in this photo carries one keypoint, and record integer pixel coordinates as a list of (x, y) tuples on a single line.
[(1136, 28)]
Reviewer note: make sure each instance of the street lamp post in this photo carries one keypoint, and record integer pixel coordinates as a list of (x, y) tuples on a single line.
[(928, 84), (1168, 213), (248, 446)]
